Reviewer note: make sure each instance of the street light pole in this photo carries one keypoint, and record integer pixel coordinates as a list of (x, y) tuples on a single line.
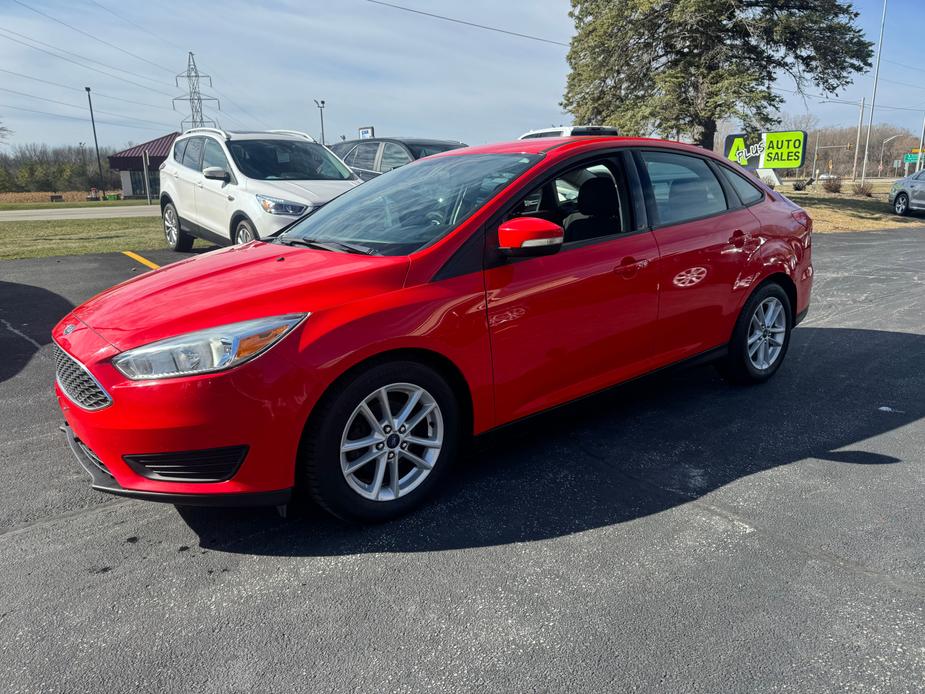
[(873, 101), (96, 144), (918, 164), (320, 105), (882, 147)]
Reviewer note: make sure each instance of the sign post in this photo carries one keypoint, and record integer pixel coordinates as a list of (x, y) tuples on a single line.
[(147, 163)]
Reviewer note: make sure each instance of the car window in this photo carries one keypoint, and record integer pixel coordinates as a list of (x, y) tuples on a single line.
[(193, 152), (683, 186), (341, 148), (587, 202), (365, 155), (178, 151), (212, 155), (393, 156), (287, 160), (920, 176), (748, 192), (414, 205)]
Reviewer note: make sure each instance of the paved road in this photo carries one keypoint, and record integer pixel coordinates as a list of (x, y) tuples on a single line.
[(80, 213), (678, 535)]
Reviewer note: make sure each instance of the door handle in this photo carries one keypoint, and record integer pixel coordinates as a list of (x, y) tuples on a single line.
[(738, 238), (629, 266)]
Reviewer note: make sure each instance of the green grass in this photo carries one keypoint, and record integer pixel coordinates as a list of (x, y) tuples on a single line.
[(84, 203), (847, 212), (40, 239)]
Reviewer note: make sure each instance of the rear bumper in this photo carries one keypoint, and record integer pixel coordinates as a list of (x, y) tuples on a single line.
[(103, 481)]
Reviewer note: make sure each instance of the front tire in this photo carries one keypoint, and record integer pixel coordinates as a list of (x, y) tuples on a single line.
[(381, 442), (901, 205), (177, 239), (760, 337), (244, 232)]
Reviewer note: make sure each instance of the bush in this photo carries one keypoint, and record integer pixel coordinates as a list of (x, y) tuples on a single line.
[(832, 185), (799, 185), (769, 183), (864, 189)]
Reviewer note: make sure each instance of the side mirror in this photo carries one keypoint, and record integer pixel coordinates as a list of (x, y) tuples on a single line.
[(216, 173), (524, 237)]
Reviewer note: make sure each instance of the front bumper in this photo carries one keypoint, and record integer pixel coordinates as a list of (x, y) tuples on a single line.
[(102, 480)]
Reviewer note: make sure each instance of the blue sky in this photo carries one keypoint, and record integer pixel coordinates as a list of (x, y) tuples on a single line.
[(403, 73)]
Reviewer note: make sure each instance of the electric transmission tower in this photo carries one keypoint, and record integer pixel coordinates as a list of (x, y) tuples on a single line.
[(196, 119)]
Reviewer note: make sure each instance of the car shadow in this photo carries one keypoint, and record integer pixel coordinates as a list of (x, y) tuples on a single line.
[(27, 315), (633, 451)]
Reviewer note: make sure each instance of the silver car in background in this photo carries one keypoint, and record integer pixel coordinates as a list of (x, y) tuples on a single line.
[(908, 194)]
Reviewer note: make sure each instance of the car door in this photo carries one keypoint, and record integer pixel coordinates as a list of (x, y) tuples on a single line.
[(571, 323), (363, 160), (187, 179), (917, 191), (705, 239), (215, 198)]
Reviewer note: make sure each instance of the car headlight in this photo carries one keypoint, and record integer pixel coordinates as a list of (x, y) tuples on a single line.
[(279, 206), (204, 351)]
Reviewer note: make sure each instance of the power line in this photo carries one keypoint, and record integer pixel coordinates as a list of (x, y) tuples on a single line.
[(78, 89), (86, 67), (843, 101), (143, 28), (462, 21), (82, 120), (65, 103), (88, 34)]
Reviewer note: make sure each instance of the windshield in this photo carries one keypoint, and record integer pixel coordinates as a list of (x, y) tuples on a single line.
[(406, 209), (422, 149), (287, 160)]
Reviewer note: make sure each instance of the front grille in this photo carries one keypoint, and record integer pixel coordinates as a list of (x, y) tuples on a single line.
[(77, 383), (208, 465), (92, 457)]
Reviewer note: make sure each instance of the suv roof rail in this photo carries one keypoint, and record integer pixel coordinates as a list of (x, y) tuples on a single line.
[(217, 131), (293, 132)]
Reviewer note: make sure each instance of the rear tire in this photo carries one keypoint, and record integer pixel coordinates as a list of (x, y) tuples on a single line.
[(901, 205), (177, 239), (400, 472), (760, 337)]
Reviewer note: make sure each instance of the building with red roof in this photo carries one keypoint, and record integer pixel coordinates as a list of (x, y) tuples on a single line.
[(130, 165)]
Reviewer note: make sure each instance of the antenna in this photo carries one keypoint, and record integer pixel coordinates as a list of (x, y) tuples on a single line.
[(195, 98)]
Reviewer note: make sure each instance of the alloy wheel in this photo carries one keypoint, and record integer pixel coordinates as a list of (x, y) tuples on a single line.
[(900, 205), (244, 234), (766, 332), (171, 228), (391, 442)]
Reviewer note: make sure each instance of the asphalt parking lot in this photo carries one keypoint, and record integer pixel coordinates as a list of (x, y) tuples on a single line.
[(674, 535)]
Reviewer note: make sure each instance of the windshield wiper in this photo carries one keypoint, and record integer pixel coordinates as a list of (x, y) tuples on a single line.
[(327, 245)]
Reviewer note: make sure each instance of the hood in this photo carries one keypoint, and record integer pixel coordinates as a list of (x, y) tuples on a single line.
[(235, 284), (313, 192)]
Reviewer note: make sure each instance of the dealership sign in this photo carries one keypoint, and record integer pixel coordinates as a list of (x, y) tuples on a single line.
[(784, 149)]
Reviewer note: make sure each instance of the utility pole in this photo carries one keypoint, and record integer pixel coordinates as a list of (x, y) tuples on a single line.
[(857, 142), (196, 119), (99, 162), (320, 105), (873, 101)]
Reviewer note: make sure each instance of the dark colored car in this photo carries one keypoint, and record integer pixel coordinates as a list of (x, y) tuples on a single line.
[(374, 156)]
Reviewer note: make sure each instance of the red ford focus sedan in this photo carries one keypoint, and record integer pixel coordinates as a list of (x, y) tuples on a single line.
[(350, 355)]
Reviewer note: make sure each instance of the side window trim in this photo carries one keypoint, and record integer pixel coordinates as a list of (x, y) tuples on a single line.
[(649, 194), (179, 149), (197, 168), (722, 177)]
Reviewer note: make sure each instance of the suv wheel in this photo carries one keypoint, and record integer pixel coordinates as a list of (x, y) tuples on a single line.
[(177, 239), (381, 442), (761, 336), (244, 232), (901, 204)]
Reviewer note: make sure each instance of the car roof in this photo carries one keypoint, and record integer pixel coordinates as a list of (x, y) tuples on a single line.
[(406, 140)]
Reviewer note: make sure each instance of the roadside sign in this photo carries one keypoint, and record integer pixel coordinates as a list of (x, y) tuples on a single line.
[(784, 149), (911, 158), (896, 163)]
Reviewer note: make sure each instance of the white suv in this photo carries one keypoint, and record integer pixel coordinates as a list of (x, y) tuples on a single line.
[(240, 186)]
